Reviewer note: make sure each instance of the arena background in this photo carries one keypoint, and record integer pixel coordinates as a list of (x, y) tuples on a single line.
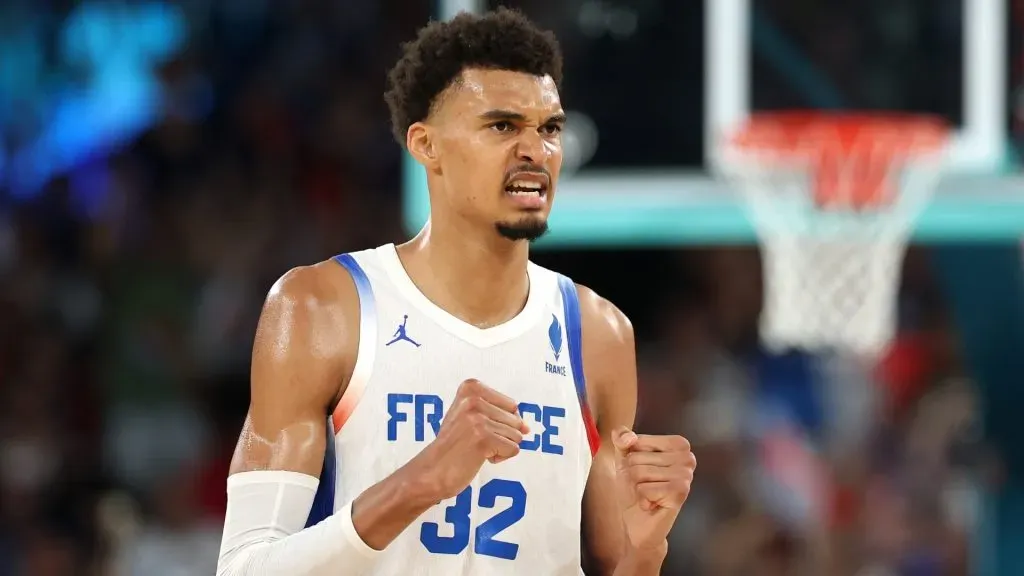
[(162, 163)]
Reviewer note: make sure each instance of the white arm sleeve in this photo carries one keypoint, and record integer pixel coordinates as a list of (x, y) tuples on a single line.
[(264, 536)]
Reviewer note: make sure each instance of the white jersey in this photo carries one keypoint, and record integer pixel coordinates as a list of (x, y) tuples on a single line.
[(521, 516)]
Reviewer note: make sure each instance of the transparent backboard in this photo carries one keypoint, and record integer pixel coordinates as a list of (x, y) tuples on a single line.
[(642, 114), (651, 87), (867, 55)]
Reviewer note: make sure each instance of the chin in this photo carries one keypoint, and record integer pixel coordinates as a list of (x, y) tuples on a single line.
[(527, 228)]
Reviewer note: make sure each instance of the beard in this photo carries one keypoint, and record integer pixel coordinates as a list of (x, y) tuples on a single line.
[(528, 228)]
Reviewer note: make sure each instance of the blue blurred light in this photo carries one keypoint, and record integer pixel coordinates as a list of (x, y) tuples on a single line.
[(116, 48)]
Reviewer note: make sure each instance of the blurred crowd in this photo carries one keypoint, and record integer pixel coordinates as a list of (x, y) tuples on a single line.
[(130, 288), (816, 464)]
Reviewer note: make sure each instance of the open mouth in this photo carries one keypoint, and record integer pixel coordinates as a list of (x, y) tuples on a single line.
[(529, 190)]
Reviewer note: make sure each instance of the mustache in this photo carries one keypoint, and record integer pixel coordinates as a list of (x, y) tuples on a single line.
[(526, 168)]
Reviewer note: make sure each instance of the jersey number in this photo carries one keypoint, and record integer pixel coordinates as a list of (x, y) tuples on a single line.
[(484, 539)]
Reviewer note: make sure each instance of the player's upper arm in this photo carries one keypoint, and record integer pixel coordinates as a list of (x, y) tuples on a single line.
[(609, 360), (302, 357)]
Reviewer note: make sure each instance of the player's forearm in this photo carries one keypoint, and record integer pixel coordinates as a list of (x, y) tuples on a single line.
[(387, 508), (315, 551), (646, 562), (264, 531), (264, 535)]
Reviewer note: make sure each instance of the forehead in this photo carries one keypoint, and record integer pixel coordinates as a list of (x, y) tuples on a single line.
[(481, 90)]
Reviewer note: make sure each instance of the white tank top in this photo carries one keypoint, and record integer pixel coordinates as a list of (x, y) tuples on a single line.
[(521, 516)]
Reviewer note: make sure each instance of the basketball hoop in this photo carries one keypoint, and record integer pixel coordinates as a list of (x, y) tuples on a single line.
[(833, 198)]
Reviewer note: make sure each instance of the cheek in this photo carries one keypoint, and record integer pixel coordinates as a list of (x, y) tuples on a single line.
[(474, 182), (483, 168), (554, 150)]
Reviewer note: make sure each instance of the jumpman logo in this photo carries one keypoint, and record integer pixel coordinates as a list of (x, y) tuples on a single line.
[(401, 335)]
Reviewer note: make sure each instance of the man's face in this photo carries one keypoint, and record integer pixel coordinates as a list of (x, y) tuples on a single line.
[(497, 140)]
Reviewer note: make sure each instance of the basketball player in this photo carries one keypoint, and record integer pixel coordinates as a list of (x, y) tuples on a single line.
[(426, 408)]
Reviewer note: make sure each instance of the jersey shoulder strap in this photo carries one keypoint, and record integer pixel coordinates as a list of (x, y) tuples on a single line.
[(574, 340), (323, 501)]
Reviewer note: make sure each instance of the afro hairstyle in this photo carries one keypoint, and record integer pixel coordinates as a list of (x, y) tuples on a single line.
[(502, 39)]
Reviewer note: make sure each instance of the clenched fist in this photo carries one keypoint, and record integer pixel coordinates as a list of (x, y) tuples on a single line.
[(482, 425), (653, 476)]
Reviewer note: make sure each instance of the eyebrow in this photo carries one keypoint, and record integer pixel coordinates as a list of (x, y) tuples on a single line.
[(510, 116)]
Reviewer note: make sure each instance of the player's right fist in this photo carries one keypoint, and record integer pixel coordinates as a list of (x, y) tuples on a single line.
[(481, 425)]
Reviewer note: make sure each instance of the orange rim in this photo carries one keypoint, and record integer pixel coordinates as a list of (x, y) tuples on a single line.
[(852, 156)]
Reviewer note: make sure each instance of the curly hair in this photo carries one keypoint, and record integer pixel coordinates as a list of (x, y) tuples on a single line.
[(503, 39)]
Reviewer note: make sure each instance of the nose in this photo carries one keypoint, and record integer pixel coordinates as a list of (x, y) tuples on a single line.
[(532, 148)]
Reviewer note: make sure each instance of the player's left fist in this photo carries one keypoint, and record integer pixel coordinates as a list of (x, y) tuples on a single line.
[(653, 476)]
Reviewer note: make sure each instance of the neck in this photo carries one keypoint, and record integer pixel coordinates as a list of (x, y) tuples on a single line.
[(479, 278)]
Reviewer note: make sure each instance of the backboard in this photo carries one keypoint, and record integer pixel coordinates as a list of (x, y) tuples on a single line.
[(652, 86)]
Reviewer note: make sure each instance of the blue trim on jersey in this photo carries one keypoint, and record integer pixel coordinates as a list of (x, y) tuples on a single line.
[(323, 501), (363, 287), (573, 336)]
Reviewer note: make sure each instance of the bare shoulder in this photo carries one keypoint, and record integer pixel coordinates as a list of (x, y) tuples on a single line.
[(604, 325), (609, 356), (305, 345), (308, 332), (323, 283)]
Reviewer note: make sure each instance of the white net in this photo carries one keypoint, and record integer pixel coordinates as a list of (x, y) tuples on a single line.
[(831, 273)]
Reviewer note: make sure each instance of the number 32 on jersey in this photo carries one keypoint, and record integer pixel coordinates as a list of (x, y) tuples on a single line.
[(485, 538)]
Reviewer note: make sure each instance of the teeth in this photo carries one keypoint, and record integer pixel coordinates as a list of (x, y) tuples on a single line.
[(524, 192), (525, 185)]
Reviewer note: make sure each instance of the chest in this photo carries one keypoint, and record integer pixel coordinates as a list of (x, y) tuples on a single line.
[(412, 388), (416, 354)]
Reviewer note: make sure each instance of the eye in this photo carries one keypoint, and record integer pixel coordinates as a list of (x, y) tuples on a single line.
[(503, 126), (551, 129)]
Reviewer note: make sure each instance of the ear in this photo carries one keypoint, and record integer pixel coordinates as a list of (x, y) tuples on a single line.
[(419, 142)]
